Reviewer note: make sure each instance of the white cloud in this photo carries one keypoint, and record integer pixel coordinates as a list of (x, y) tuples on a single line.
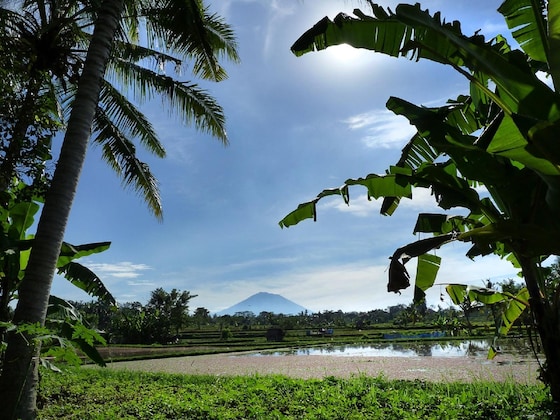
[(258, 263), (144, 283), (351, 287), (123, 269), (381, 128), (364, 120), (278, 11), (422, 201), (359, 205)]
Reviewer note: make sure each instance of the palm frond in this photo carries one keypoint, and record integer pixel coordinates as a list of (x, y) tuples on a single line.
[(196, 106), (120, 154), (190, 31), (129, 119), (135, 53), (129, 29), (223, 37), (192, 104)]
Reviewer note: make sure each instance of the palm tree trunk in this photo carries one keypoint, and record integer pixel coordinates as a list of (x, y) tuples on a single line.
[(20, 371)]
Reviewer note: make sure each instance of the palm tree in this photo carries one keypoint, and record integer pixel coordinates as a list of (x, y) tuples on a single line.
[(51, 38), (190, 31), (201, 315)]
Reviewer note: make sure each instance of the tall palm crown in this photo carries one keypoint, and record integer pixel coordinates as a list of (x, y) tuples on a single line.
[(45, 43)]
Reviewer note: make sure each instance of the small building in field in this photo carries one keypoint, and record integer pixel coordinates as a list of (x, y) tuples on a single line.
[(275, 334)]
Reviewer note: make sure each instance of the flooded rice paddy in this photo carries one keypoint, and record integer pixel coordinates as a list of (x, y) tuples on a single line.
[(478, 348)]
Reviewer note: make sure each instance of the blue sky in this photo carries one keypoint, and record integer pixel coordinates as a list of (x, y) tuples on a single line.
[(296, 126)]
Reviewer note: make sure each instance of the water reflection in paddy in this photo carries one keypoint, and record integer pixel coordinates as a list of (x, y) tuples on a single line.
[(469, 348)]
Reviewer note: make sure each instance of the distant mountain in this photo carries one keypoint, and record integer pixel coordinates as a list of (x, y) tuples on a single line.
[(265, 302)]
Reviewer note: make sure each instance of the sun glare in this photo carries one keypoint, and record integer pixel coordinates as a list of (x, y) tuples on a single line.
[(343, 60), (345, 54)]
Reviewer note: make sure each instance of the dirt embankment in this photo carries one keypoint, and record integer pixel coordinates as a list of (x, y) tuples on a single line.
[(463, 369), (118, 352)]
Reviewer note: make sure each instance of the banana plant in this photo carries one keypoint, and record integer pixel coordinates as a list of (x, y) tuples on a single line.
[(16, 217), (514, 306), (500, 137)]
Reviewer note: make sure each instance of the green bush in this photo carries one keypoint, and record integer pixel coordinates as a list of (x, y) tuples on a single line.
[(226, 334)]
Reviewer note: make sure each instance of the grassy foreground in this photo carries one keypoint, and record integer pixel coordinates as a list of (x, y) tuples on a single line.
[(109, 394)]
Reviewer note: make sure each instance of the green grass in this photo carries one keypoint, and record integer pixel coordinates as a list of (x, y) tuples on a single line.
[(108, 394)]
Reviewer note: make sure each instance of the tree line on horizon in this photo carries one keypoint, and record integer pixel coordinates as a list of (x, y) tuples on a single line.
[(166, 317)]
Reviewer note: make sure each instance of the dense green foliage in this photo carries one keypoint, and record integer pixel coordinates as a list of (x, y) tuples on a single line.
[(172, 306), (103, 394), (157, 322)]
